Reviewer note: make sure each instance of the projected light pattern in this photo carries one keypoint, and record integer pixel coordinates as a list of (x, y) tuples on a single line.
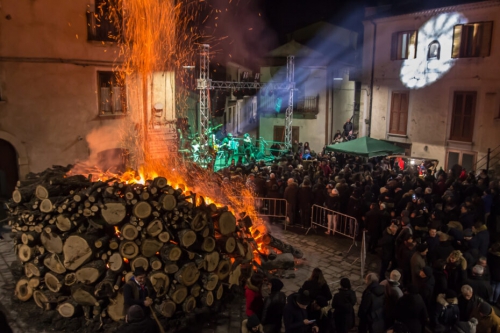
[(430, 65)]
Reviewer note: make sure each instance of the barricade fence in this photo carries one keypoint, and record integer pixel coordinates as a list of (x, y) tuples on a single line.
[(271, 207)]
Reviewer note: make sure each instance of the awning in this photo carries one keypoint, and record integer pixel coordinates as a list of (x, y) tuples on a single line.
[(366, 147)]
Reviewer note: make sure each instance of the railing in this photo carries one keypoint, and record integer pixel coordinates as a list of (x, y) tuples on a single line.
[(307, 105), (270, 207), (485, 161)]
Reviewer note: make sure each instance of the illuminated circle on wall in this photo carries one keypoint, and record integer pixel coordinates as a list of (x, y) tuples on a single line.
[(433, 57)]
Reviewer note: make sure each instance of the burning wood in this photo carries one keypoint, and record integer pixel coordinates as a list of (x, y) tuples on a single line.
[(79, 240)]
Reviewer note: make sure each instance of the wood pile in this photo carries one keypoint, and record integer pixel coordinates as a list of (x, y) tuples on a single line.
[(80, 240)]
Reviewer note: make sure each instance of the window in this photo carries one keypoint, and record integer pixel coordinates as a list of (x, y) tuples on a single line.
[(472, 40), (112, 93), (467, 159), (404, 45), (100, 24), (434, 51), (462, 119), (399, 112)]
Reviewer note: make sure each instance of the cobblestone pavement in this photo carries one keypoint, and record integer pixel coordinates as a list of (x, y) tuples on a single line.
[(326, 252)]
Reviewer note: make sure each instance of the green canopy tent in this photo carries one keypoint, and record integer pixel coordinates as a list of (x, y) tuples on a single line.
[(366, 147)]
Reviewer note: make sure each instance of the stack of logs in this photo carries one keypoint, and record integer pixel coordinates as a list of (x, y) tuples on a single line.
[(80, 240)]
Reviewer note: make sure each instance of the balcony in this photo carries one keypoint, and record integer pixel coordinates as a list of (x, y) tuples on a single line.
[(307, 106)]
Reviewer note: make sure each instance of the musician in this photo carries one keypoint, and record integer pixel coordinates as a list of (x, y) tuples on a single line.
[(229, 145), (248, 146)]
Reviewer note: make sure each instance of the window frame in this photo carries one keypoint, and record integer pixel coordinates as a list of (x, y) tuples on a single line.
[(453, 136), (390, 129), (98, 19), (461, 47), (429, 57), (395, 46), (123, 92)]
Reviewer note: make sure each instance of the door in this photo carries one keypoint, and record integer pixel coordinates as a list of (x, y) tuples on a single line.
[(467, 159), (279, 133), (8, 169)]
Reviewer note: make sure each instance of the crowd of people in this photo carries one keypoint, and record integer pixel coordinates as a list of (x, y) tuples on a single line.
[(436, 235)]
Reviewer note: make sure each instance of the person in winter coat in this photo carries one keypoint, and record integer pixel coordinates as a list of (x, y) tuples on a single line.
[(403, 257), (456, 268), (274, 304), (494, 264), (481, 287), (488, 321), (465, 326), (316, 285), (418, 262), (411, 311), (290, 195), (252, 325), (305, 200), (295, 313), (447, 311), (371, 309), (444, 247), (319, 311), (137, 322), (467, 302), (425, 285), (253, 295), (343, 306), (388, 249), (392, 294), (373, 225), (481, 241)]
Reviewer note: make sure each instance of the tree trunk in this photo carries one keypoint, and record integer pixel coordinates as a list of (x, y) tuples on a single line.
[(129, 249), (52, 242), (54, 282), (91, 272), (84, 295), (188, 274), (167, 308), (187, 237), (23, 290), (129, 231), (160, 282), (114, 212)]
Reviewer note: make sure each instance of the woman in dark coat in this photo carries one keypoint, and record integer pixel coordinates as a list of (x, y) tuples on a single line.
[(411, 311), (317, 286), (343, 305)]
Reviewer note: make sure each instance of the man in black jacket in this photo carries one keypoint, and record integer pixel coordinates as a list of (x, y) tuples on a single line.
[(371, 309), (467, 302), (481, 287), (388, 249), (295, 313), (290, 195), (138, 291), (373, 225), (274, 305)]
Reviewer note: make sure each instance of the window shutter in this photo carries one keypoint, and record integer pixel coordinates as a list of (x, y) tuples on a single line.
[(412, 45), (487, 28), (395, 106), (457, 41), (105, 99), (394, 46)]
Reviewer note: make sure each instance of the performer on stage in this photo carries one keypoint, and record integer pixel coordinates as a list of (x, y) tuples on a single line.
[(248, 146), (229, 145)]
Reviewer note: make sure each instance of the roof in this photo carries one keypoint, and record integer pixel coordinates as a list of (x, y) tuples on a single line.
[(366, 147)]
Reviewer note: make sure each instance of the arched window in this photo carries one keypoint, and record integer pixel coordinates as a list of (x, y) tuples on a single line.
[(434, 50)]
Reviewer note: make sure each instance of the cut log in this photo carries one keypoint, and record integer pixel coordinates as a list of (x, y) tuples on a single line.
[(219, 291), (22, 194), (282, 261), (52, 242), (282, 246), (227, 244), (160, 282), (195, 290), (54, 282), (44, 192), (23, 291), (102, 242), (212, 260), (150, 246), (114, 244), (189, 304), (25, 253), (45, 300), (115, 262), (225, 223), (199, 221), (206, 244), (46, 206), (84, 295), (170, 252), (105, 288), (234, 276), (223, 269), (54, 262), (64, 223), (114, 212), (116, 307), (129, 231), (30, 270), (129, 249), (209, 281), (78, 249), (142, 210), (34, 282), (188, 274), (30, 238), (207, 298), (155, 263), (139, 261), (240, 249), (70, 279), (159, 182), (91, 272), (170, 267), (68, 308), (167, 308), (154, 228), (186, 237), (167, 201), (164, 237), (178, 293)]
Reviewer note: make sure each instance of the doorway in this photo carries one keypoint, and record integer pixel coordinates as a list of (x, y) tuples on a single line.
[(9, 169)]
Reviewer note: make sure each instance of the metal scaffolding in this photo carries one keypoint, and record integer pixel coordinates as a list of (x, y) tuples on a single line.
[(204, 85)]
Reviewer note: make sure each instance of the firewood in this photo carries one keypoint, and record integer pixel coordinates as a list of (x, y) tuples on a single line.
[(78, 250), (54, 282), (188, 274), (210, 281), (116, 307), (170, 267), (186, 237), (155, 263), (129, 231), (83, 294), (212, 260), (178, 293), (227, 244), (45, 299), (168, 202), (219, 291), (128, 249), (68, 308), (199, 221), (25, 253), (282, 246), (223, 269), (189, 304), (142, 210), (115, 262), (159, 182), (139, 261), (23, 291), (195, 290), (114, 212), (150, 246), (34, 282), (160, 282), (30, 238), (90, 273), (164, 237), (207, 298), (31, 269), (105, 288), (52, 242), (154, 228), (234, 276), (70, 279), (167, 308), (54, 262), (102, 242), (170, 252)]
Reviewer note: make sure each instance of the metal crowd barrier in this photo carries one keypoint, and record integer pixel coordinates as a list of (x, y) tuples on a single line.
[(335, 222), (271, 207)]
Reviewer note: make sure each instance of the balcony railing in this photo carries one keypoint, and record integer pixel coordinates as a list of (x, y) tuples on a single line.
[(306, 105)]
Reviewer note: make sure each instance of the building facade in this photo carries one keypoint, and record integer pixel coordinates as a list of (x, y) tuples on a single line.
[(433, 81)]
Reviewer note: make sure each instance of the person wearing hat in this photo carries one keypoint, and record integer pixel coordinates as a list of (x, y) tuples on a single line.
[(343, 306), (138, 291), (447, 310), (479, 284), (274, 305), (137, 322), (229, 145), (252, 325), (488, 321), (418, 261), (295, 313)]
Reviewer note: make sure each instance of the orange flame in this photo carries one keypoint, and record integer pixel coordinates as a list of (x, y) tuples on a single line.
[(125, 260), (117, 232)]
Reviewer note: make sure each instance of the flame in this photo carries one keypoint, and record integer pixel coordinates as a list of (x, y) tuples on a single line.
[(107, 265), (117, 232), (125, 260)]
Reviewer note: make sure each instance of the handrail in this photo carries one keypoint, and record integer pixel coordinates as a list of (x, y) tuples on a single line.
[(488, 155)]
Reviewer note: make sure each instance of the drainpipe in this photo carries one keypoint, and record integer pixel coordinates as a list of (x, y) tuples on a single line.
[(372, 77)]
